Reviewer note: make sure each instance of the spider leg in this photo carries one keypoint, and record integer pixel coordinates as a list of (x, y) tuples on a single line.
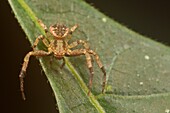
[(73, 28), (25, 65), (70, 32), (51, 59), (101, 67), (78, 52), (43, 25), (44, 40), (62, 65), (76, 43), (87, 49)]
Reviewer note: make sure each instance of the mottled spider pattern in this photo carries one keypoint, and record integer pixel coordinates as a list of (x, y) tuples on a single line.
[(56, 40)]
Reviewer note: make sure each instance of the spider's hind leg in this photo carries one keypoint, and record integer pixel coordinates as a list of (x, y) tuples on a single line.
[(90, 67), (78, 52), (101, 67), (63, 64)]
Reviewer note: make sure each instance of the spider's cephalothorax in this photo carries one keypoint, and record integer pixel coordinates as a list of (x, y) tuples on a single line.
[(59, 30), (58, 47)]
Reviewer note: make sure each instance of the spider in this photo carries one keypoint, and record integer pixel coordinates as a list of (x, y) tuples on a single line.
[(56, 41)]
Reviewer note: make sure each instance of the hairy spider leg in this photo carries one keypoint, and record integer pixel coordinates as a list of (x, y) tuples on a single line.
[(26, 60), (25, 65), (44, 40), (43, 25), (78, 52), (76, 43), (63, 64), (101, 67), (72, 29), (89, 60)]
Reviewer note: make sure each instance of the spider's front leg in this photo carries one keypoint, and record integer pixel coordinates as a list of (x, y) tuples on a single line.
[(44, 40), (70, 31), (43, 25), (73, 28)]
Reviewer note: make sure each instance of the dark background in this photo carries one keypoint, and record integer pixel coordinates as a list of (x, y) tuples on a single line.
[(147, 17)]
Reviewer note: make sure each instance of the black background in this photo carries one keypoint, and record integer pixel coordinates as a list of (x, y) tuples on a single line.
[(150, 18)]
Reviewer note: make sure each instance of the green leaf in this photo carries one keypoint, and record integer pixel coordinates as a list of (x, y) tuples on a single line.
[(137, 68)]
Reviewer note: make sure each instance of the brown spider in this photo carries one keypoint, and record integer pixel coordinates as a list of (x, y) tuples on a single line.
[(57, 44)]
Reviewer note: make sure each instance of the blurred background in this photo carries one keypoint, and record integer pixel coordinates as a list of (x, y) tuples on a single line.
[(148, 17)]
